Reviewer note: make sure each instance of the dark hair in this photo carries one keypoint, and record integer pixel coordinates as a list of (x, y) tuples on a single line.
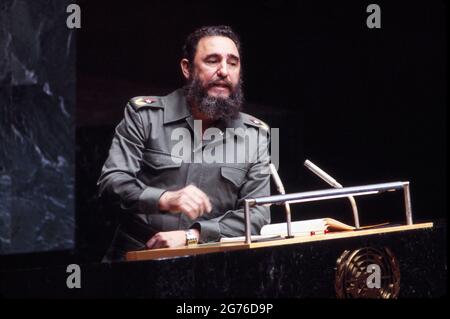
[(190, 45)]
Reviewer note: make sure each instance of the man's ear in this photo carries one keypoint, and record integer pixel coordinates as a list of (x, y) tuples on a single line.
[(184, 63)]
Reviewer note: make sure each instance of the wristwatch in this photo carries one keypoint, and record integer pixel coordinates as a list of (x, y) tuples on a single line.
[(191, 238)]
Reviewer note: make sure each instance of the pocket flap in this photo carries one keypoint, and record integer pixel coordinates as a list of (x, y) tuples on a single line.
[(233, 174)]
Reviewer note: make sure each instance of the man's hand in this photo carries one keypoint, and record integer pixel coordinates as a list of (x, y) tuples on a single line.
[(189, 200), (169, 239)]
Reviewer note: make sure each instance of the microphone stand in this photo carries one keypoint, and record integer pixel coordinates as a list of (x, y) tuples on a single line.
[(331, 181), (287, 207)]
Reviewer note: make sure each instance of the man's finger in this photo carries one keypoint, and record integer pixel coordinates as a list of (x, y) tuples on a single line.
[(196, 199), (189, 210), (151, 243), (200, 202), (160, 244), (205, 199)]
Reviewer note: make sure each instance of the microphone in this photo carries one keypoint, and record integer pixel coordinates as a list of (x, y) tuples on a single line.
[(331, 181), (287, 207), (322, 174)]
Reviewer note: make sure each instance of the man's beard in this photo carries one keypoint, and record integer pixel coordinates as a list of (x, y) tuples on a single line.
[(215, 107)]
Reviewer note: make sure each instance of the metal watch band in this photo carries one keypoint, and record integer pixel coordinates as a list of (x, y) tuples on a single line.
[(191, 239)]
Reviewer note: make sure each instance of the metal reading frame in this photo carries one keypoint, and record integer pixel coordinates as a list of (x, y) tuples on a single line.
[(328, 194)]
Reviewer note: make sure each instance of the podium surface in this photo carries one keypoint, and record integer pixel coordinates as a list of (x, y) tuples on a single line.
[(222, 247)]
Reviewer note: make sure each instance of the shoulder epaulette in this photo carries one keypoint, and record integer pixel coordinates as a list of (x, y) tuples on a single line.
[(142, 102), (253, 121)]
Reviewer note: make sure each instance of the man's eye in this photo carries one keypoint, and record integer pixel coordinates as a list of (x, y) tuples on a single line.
[(211, 61)]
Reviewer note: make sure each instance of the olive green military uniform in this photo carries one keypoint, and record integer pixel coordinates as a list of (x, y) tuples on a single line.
[(141, 166)]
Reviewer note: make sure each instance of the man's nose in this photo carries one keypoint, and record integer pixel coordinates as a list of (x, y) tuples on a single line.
[(223, 70)]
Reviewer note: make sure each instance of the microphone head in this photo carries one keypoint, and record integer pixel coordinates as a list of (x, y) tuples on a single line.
[(322, 174)]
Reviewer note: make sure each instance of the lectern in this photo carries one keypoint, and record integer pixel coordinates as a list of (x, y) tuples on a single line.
[(393, 261), (369, 262)]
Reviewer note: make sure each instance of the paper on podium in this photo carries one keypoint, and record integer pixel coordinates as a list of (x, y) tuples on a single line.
[(306, 227), (299, 228)]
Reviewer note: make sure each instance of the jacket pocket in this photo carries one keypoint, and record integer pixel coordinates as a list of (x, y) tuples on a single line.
[(159, 160), (235, 175)]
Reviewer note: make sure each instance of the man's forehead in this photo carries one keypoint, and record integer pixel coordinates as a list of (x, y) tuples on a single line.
[(217, 45)]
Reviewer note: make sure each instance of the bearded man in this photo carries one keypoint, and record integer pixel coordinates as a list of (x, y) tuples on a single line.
[(170, 199)]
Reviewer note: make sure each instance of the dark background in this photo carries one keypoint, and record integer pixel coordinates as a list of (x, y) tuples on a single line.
[(366, 105)]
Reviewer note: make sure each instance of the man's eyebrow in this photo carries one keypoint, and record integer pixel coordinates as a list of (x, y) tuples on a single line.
[(232, 56)]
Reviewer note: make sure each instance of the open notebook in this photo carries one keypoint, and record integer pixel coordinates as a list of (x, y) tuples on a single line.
[(299, 228)]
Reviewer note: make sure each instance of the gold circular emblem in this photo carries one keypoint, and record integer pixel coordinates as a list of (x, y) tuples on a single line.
[(367, 273)]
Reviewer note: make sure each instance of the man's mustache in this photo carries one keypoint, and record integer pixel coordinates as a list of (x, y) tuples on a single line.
[(224, 83)]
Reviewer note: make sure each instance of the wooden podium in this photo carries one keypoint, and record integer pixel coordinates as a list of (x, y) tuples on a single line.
[(369, 262), (287, 199), (395, 261), (223, 247)]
